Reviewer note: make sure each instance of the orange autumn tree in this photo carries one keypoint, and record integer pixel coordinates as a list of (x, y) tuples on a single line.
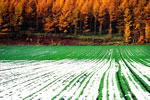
[(101, 14), (79, 5), (17, 17), (4, 25), (85, 14), (56, 12), (120, 19), (111, 7), (147, 22), (44, 9), (96, 5), (75, 16), (11, 14), (138, 23), (65, 17), (147, 32), (39, 10), (49, 25), (30, 13), (127, 19)]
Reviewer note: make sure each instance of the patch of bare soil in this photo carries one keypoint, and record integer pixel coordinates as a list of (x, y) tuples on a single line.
[(52, 40)]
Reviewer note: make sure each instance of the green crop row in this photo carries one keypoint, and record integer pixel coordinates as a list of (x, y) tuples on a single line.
[(66, 52)]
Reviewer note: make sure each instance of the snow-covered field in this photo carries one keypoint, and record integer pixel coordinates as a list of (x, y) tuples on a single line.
[(70, 79), (110, 74)]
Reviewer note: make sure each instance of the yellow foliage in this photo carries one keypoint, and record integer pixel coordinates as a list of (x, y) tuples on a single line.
[(18, 9), (124, 4), (128, 21), (48, 26), (4, 30), (141, 39), (29, 10), (85, 8), (67, 6), (3, 7), (127, 16), (141, 3), (61, 2), (4, 4), (132, 2), (80, 3), (87, 30), (147, 32), (65, 31), (96, 6), (127, 33)]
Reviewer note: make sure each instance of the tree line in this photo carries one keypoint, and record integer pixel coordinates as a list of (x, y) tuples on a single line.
[(129, 18)]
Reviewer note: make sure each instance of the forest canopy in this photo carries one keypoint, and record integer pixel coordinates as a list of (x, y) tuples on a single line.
[(129, 18)]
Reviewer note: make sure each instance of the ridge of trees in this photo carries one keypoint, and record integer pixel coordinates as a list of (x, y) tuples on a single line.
[(130, 18)]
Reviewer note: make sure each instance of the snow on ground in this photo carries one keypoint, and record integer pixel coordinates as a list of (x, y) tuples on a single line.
[(67, 79), (136, 89)]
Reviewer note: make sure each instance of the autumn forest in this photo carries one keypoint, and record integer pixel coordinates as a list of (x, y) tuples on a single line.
[(127, 18)]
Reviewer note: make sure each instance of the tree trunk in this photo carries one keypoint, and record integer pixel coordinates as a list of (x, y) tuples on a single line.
[(80, 24), (100, 29), (70, 29), (95, 25), (119, 32), (75, 29), (91, 22), (110, 30), (37, 23), (55, 29)]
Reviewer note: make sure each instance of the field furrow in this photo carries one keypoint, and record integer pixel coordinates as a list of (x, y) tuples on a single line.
[(75, 73)]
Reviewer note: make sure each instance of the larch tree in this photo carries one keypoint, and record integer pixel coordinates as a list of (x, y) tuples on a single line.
[(39, 11), (91, 16), (137, 32), (132, 3), (127, 15), (128, 21), (147, 32), (49, 25), (101, 14), (45, 9), (75, 18), (80, 4), (30, 14), (138, 26), (56, 12), (147, 22), (120, 18), (4, 18), (18, 17), (85, 14), (111, 11), (120, 22), (96, 6), (64, 19), (11, 14)]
